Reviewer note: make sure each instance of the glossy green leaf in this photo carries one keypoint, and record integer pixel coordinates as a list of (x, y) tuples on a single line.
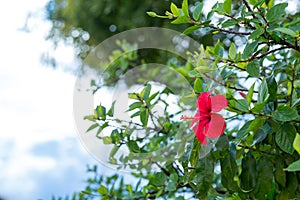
[(204, 176), (279, 174), (181, 20), (134, 106), (102, 190), (229, 22), (286, 31), (107, 140), (194, 156), (171, 187), (285, 113), (244, 130), (250, 49), (174, 9), (198, 11), (133, 146), (227, 6), (296, 143), (272, 87), (255, 34), (93, 126), (198, 85), (146, 92), (159, 178), (111, 110), (191, 29), (295, 166), (101, 112), (285, 136), (185, 8), (264, 177), (232, 51), (144, 115), (263, 93), (250, 94), (276, 12), (248, 175), (229, 170), (253, 69), (174, 177), (262, 133)]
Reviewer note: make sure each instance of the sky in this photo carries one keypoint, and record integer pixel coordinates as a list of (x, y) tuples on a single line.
[(40, 152)]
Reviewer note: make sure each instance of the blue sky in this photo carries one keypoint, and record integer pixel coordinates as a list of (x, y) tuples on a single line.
[(40, 152)]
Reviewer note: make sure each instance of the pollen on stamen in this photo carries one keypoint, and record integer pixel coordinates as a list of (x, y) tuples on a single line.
[(185, 118)]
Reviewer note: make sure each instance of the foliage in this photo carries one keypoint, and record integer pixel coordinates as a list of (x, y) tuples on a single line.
[(257, 53)]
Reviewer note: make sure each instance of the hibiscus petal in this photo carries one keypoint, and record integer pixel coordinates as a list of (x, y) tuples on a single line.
[(200, 130), (216, 126), (204, 102), (218, 102)]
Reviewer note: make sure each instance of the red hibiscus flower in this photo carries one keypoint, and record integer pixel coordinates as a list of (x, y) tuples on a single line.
[(207, 123)]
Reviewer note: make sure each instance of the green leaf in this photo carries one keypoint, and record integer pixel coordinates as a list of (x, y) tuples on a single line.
[(181, 20), (248, 174), (194, 156), (133, 96), (263, 93), (107, 140), (229, 22), (111, 110), (264, 177), (198, 85), (101, 112), (279, 174), (250, 49), (174, 177), (253, 69), (296, 143), (171, 187), (276, 12), (272, 87), (262, 133), (244, 130), (152, 97), (232, 51), (146, 92), (227, 6), (229, 170), (198, 11), (204, 175), (102, 190), (295, 166), (134, 105), (159, 179), (144, 115), (191, 29), (100, 129), (285, 136), (185, 8), (286, 31), (133, 146), (256, 33), (174, 9), (250, 94), (93, 126), (285, 113)]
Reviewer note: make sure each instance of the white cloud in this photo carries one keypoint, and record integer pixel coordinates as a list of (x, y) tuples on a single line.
[(36, 106)]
